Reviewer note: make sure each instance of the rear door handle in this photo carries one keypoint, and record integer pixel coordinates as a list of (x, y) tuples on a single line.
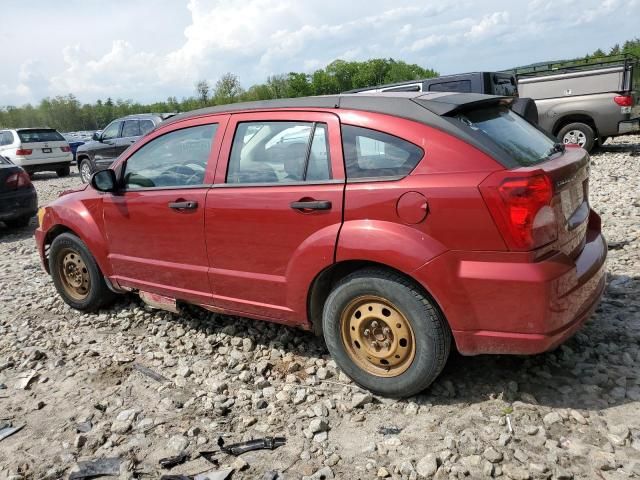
[(311, 205), (184, 205)]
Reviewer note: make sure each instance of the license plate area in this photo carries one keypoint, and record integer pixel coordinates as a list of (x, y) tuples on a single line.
[(46, 150), (571, 199)]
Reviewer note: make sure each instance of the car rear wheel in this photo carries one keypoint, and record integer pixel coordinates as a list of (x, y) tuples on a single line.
[(64, 171), (85, 170), (76, 275), (385, 333), (578, 133)]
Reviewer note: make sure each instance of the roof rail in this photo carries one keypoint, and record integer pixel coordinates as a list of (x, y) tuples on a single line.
[(566, 66)]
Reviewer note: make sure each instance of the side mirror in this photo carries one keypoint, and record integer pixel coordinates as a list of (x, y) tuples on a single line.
[(96, 136), (104, 181)]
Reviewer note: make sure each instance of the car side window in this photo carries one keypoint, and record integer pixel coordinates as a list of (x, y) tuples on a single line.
[(279, 152), (131, 128), (146, 126), (112, 131), (370, 154), (175, 159), (6, 138)]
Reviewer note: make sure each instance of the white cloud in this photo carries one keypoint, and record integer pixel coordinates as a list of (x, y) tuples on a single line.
[(257, 38)]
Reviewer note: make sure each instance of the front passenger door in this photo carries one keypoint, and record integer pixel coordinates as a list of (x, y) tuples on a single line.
[(105, 149), (155, 224), (130, 133)]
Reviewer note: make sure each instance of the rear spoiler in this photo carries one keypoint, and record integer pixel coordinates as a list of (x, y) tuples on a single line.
[(455, 103)]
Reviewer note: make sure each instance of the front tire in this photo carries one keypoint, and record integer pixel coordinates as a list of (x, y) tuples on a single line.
[(85, 170), (76, 275), (64, 171), (385, 333), (579, 133)]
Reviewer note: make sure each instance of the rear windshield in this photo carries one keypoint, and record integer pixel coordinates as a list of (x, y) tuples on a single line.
[(522, 141), (39, 135)]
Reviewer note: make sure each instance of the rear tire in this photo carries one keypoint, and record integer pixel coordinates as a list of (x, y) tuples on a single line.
[(19, 222), (579, 133), (385, 333), (76, 274), (64, 171)]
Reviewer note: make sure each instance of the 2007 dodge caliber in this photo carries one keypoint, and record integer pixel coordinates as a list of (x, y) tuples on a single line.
[(389, 223)]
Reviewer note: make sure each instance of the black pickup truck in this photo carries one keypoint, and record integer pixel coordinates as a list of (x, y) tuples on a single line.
[(490, 83)]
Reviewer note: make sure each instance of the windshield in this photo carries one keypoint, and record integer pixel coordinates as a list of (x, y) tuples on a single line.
[(40, 135), (521, 140)]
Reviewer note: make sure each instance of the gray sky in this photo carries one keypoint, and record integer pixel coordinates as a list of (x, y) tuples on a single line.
[(146, 50)]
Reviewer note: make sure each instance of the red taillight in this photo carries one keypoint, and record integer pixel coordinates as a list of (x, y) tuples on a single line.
[(65, 149), (18, 180), (24, 151), (521, 208), (624, 100)]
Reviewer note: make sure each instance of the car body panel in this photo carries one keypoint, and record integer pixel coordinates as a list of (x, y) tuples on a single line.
[(15, 203)]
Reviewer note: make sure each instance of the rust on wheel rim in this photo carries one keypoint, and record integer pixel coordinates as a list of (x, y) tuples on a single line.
[(74, 274), (377, 336)]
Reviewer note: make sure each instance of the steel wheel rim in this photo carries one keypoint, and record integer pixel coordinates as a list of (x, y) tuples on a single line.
[(86, 171), (575, 136), (377, 336), (74, 274)]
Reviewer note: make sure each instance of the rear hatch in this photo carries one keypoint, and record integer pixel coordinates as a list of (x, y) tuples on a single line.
[(540, 201), (42, 145)]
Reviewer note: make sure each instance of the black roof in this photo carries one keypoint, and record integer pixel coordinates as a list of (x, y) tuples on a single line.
[(433, 108), (401, 104)]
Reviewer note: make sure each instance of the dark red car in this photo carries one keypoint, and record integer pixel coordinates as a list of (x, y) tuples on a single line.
[(389, 223)]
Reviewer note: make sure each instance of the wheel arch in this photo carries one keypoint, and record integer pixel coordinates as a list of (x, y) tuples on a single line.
[(324, 282), (573, 118)]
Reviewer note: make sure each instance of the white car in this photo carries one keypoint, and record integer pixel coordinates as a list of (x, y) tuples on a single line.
[(37, 150)]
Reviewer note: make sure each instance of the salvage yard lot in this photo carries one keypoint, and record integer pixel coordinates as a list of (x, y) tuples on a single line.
[(571, 412)]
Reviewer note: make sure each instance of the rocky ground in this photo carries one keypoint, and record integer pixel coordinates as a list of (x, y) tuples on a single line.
[(74, 381)]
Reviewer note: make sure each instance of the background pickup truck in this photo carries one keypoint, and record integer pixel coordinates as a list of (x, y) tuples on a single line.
[(584, 103)]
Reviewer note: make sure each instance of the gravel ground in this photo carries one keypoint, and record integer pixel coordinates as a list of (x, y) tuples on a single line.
[(73, 381)]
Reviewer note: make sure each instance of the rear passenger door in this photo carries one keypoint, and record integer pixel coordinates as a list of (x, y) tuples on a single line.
[(273, 215)]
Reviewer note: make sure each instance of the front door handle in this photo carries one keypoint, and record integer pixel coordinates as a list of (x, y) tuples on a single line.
[(184, 205), (311, 205)]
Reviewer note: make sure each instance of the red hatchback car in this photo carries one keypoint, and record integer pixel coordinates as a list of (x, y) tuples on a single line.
[(389, 223)]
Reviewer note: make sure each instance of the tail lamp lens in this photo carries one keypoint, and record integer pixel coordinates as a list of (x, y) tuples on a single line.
[(18, 180), (521, 207), (624, 100), (65, 149), (24, 151)]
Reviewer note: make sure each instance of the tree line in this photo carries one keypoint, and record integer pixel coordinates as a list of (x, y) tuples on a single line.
[(66, 113)]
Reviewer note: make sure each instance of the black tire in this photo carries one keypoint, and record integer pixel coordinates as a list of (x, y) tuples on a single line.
[(586, 130), (64, 171), (19, 222), (85, 164), (98, 294), (431, 332)]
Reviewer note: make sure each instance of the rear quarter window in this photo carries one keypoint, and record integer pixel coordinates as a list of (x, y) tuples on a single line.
[(40, 135), (373, 154), (525, 144)]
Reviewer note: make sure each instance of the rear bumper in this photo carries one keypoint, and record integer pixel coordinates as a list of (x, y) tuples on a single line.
[(34, 164), (18, 204), (629, 126), (497, 305)]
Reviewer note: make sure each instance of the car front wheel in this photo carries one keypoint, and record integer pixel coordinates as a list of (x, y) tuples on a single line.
[(385, 333), (85, 170), (76, 275)]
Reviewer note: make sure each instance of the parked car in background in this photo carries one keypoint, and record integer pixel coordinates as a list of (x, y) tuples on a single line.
[(37, 150), (76, 139), (584, 103), (108, 144), (391, 223), (490, 83), (18, 199)]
